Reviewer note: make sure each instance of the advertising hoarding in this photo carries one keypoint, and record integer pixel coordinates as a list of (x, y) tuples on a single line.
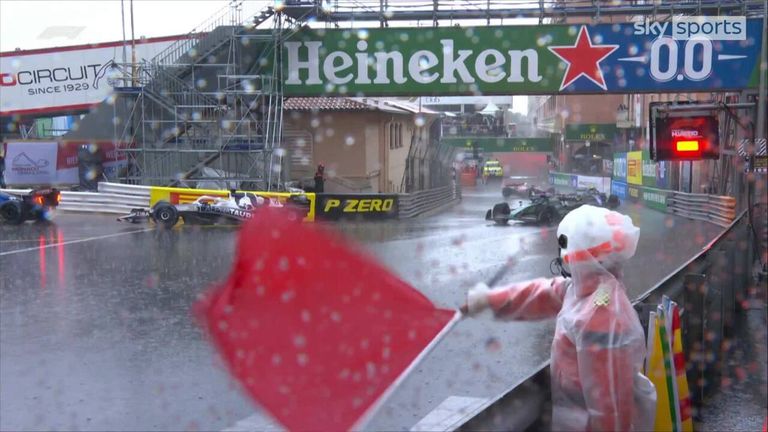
[(635, 167), (56, 163), (31, 163), (488, 145), (356, 206), (541, 59), (65, 79)]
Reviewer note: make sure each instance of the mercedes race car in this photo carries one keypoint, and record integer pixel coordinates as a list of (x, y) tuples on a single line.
[(206, 210), (35, 205), (547, 209)]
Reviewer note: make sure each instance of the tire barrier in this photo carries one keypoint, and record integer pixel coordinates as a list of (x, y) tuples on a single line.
[(719, 210), (417, 203)]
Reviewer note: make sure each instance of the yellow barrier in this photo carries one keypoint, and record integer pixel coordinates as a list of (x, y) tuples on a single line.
[(184, 196)]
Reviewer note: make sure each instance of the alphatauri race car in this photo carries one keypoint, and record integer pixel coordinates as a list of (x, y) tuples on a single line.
[(35, 205), (206, 210), (547, 209)]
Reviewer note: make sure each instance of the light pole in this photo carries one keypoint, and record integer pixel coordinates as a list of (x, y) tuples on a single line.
[(133, 51)]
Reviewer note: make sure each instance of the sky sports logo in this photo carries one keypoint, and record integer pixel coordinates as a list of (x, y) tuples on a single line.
[(697, 27)]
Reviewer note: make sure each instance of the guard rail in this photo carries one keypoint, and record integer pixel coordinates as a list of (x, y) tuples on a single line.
[(719, 210), (121, 198), (110, 198), (416, 203)]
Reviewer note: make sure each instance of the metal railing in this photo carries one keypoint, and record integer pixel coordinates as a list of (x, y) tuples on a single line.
[(393, 10), (176, 50), (417, 203), (199, 40), (111, 198)]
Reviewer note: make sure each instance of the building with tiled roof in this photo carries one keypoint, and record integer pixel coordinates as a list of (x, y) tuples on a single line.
[(364, 143)]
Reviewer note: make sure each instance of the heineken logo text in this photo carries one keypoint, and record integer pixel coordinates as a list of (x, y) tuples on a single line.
[(447, 66)]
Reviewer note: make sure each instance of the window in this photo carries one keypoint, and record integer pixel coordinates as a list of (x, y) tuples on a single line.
[(395, 135)]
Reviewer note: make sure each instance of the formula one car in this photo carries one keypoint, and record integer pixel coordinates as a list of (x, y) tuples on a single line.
[(35, 205), (520, 186), (547, 209), (206, 210)]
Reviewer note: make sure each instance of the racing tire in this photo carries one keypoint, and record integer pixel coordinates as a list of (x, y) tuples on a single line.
[(546, 217), (506, 192), (165, 214), (613, 202), (500, 213), (12, 212)]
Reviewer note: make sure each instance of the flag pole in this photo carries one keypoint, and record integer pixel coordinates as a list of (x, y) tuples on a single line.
[(458, 316), (374, 407)]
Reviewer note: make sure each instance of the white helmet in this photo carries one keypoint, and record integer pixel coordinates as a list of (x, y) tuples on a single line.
[(589, 234), (245, 203)]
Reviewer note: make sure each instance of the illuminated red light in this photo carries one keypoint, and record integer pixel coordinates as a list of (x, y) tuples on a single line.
[(687, 146)]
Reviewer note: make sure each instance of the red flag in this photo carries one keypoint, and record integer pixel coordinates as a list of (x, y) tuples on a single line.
[(315, 331)]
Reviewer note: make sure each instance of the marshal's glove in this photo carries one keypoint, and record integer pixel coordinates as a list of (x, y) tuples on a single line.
[(477, 299)]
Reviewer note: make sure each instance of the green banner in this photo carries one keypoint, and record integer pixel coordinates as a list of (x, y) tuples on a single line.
[(590, 132), (530, 59), (488, 145), (654, 198), (650, 197), (561, 179)]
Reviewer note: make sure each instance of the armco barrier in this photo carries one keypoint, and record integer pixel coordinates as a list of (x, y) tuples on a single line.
[(719, 210), (97, 202), (120, 198), (417, 203), (111, 198), (711, 288)]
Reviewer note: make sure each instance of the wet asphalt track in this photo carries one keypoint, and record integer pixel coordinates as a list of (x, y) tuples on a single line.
[(96, 333)]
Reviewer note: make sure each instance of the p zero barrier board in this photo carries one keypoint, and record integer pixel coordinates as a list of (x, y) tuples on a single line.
[(356, 206), (536, 59), (184, 195)]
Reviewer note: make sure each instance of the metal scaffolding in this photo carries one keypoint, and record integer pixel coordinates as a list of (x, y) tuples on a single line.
[(208, 109)]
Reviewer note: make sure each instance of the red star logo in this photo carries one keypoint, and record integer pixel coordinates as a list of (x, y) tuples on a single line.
[(583, 58)]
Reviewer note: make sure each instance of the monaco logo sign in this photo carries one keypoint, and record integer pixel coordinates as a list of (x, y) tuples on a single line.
[(603, 58)]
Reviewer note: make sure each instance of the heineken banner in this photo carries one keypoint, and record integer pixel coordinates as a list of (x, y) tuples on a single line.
[(486, 144), (537, 59)]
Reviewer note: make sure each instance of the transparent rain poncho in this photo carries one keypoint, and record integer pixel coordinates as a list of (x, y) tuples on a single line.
[(599, 345)]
